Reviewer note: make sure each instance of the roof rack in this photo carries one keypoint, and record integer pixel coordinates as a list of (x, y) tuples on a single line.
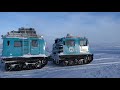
[(23, 32)]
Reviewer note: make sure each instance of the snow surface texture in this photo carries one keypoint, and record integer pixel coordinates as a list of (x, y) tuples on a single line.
[(106, 64)]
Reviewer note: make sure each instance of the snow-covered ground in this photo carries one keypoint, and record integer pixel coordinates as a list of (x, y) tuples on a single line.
[(106, 64)]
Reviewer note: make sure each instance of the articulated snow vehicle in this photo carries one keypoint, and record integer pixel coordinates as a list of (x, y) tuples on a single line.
[(70, 50), (23, 49)]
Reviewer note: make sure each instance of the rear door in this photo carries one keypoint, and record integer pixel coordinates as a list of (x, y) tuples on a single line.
[(35, 47)]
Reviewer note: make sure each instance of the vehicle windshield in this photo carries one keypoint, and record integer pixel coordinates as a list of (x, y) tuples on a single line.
[(70, 43), (83, 42)]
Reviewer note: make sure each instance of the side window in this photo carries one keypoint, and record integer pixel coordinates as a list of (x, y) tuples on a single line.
[(18, 44), (34, 43), (8, 43), (83, 43)]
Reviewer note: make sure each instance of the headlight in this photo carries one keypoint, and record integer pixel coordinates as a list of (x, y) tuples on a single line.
[(84, 49)]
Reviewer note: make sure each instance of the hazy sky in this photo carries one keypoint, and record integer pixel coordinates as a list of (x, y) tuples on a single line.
[(98, 27)]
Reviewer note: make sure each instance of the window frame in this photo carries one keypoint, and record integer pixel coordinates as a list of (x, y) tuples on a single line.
[(34, 45), (66, 43), (8, 43), (18, 45)]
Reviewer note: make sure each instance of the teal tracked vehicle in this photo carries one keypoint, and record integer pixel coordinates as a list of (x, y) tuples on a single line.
[(71, 50), (23, 49)]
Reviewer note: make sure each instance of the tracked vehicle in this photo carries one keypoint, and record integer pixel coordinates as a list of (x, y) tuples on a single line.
[(23, 49), (71, 50)]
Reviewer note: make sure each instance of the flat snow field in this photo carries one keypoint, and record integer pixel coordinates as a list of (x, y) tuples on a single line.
[(106, 64)]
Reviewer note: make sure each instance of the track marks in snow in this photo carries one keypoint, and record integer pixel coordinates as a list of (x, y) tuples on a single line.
[(52, 71), (104, 59)]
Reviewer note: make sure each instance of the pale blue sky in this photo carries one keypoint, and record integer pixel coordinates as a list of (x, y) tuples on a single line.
[(98, 27)]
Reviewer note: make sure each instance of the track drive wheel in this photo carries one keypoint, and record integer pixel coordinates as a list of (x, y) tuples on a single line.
[(8, 67), (64, 63), (71, 63)]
